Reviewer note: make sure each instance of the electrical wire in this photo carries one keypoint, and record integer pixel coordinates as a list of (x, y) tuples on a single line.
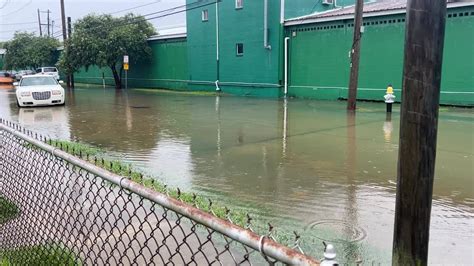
[(5, 4), (143, 17), (139, 19), (17, 30), (19, 23), (18, 10), (135, 7)]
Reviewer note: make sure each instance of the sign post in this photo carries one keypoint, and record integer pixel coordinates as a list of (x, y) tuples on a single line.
[(125, 67)]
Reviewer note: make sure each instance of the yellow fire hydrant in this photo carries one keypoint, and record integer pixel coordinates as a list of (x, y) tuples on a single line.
[(389, 98)]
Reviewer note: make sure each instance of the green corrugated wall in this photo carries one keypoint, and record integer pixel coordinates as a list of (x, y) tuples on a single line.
[(319, 59), (167, 68), (254, 73)]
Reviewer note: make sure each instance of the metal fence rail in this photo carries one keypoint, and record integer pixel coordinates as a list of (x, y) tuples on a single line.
[(69, 211)]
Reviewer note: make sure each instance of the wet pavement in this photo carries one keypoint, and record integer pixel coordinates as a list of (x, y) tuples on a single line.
[(298, 163)]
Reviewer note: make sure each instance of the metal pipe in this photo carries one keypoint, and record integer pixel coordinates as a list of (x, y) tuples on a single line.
[(217, 47), (287, 39), (282, 11), (260, 243), (265, 25)]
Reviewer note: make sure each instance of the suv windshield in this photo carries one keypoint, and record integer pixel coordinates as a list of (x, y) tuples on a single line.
[(34, 81), (50, 69)]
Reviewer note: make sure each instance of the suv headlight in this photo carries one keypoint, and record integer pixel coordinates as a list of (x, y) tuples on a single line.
[(25, 93), (56, 92)]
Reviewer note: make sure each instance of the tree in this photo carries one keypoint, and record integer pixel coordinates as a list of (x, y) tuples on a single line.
[(103, 40), (29, 51)]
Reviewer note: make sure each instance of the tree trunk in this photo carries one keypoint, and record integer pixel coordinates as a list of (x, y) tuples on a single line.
[(121, 72), (117, 79)]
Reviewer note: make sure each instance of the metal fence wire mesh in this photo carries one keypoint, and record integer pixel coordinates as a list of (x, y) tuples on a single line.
[(58, 209)]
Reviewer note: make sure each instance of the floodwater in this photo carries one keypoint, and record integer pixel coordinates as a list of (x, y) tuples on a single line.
[(301, 164)]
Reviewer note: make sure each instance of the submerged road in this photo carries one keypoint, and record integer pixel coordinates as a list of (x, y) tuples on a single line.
[(298, 163)]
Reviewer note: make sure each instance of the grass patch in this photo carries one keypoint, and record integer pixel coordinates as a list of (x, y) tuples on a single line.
[(39, 255), (8, 210)]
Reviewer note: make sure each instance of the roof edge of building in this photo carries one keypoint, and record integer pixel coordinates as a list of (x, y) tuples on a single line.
[(167, 36), (309, 19)]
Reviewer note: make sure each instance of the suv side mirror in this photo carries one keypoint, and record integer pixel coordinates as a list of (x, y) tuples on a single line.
[(61, 82), (15, 83)]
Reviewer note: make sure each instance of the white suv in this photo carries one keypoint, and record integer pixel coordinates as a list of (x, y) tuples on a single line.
[(48, 71)]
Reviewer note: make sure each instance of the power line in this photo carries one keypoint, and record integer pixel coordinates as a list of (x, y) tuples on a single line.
[(139, 19), (19, 23), (17, 30), (18, 10), (5, 4), (135, 7)]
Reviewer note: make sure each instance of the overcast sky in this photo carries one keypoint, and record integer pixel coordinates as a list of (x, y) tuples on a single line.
[(13, 12)]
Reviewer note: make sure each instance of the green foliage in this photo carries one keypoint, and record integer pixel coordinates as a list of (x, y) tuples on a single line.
[(29, 51), (50, 254), (7, 210), (103, 40)]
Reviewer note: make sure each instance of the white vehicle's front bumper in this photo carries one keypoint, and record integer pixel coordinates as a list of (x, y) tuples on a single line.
[(29, 101)]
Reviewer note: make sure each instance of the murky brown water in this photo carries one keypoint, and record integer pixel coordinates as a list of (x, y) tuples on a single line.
[(298, 163)]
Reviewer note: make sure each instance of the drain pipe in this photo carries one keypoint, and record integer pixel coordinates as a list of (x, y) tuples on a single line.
[(265, 25), (282, 11), (217, 47), (287, 39)]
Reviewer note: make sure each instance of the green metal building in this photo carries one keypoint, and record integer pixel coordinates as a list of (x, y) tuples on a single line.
[(238, 47)]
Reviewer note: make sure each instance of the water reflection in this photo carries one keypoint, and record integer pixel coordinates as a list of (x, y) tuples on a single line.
[(110, 122), (387, 129), (351, 248), (53, 121), (288, 161)]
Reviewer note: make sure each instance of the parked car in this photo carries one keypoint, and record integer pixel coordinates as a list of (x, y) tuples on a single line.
[(48, 71), (13, 74), (5, 78), (22, 73), (35, 90)]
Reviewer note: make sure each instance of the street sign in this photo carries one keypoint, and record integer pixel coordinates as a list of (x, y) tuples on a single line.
[(125, 66), (125, 59)]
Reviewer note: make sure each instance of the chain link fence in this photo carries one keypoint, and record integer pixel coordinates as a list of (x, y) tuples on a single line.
[(58, 209)]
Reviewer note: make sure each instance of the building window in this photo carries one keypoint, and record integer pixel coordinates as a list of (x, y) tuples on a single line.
[(239, 4), (205, 15), (239, 49)]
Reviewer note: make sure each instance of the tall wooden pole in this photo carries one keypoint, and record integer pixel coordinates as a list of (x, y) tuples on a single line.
[(355, 55), (424, 41), (39, 23), (69, 33), (63, 21), (47, 17)]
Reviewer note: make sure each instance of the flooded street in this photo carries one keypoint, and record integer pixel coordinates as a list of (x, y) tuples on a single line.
[(298, 163)]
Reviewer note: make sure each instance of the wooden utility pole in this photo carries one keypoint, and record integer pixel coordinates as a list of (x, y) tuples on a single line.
[(39, 23), (47, 17), (355, 55), (69, 32), (63, 21), (424, 40)]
